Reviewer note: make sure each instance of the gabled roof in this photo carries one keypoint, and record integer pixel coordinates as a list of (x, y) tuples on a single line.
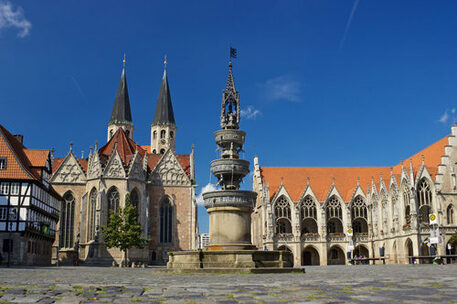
[(321, 178), (82, 161), (22, 163), (121, 113), (164, 109), (125, 146)]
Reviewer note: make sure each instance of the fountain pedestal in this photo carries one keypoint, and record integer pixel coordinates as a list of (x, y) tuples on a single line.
[(230, 248)]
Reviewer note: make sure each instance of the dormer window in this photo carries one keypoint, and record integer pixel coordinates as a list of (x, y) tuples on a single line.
[(3, 163)]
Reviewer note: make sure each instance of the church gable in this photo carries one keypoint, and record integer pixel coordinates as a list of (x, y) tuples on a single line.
[(169, 172), (136, 168), (69, 172), (114, 168), (95, 166)]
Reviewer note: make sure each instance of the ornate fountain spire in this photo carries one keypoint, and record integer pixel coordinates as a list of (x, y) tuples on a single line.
[(230, 110)]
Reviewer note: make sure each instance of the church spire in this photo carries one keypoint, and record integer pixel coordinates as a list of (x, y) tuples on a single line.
[(163, 127), (121, 116), (164, 109)]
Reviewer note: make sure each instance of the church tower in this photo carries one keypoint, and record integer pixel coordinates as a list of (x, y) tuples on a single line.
[(121, 117), (163, 127)]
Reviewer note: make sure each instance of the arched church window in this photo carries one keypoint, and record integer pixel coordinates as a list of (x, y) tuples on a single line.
[(67, 219), (424, 196), (154, 134), (166, 221), (450, 215), (113, 200), (283, 216), (135, 200), (162, 134), (154, 151), (92, 210), (406, 201), (333, 214), (359, 215), (308, 214)]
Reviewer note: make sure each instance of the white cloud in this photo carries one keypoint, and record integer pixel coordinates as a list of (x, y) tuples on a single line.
[(445, 117), (250, 112), (208, 188), (14, 18), (282, 88)]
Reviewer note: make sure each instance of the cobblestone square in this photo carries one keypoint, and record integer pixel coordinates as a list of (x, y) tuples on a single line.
[(328, 284)]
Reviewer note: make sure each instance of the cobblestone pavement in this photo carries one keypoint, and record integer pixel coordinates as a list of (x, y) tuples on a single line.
[(331, 284)]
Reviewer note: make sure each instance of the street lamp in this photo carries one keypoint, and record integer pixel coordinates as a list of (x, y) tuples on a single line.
[(11, 216)]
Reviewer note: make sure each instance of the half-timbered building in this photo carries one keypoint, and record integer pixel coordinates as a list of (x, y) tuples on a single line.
[(29, 206)]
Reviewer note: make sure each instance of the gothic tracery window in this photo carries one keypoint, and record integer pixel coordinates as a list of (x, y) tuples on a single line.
[(450, 215), (283, 216), (67, 218), (424, 196), (135, 200), (359, 215), (308, 215), (91, 215), (334, 215), (162, 134), (113, 200), (166, 221), (406, 201)]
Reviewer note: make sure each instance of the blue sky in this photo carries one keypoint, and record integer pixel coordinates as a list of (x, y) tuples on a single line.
[(322, 83)]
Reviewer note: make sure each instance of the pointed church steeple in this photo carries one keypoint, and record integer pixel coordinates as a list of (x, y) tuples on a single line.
[(230, 110), (163, 127), (164, 109), (121, 116)]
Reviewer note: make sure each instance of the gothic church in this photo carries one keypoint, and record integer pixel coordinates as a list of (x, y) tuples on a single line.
[(159, 181)]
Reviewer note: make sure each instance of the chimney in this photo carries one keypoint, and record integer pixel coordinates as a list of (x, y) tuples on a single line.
[(19, 138)]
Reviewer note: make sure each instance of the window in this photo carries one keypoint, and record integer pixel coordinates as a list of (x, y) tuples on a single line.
[(7, 245), (166, 221), (134, 199), (406, 202), (154, 151), (67, 218), (424, 196), (333, 214), (91, 215), (450, 215), (162, 151), (162, 134), (308, 213), (359, 215), (283, 216), (171, 134), (3, 163), (113, 200), (15, 188), (13, 214), (154, 134), (3, 214), (4, 188)]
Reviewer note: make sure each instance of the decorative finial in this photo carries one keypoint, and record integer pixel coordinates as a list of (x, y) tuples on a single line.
[(82, 154), (380, 173), (307, 180), (423, 158), (90, 150), (333, 180), (358, 181), (193, 147), (281, 180), (124, 60), (165, 62), (71, 146)]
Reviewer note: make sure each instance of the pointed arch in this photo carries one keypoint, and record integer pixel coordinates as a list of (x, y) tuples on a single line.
[(166, 220), (283, 215), (424, 198), (308, 215), (67, 221), (406, 203), (334, 215), (135, 198), (359, 215), (91, 214), (450, 214), (113, 200)]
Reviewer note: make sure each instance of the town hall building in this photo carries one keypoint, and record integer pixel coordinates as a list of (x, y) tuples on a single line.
[(160, 182), (322, 213)]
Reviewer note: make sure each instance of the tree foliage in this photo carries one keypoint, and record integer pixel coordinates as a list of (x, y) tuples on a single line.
[(123, 230)]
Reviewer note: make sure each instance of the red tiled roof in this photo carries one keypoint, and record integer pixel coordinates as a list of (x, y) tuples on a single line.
[(37, 158), (294, 179), (57, 161), (125, 146)]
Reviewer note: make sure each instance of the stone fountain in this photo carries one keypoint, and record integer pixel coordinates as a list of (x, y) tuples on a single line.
[(230, 208)]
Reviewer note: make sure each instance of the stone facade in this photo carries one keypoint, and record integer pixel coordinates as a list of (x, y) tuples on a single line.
[(309, 211), (160, 184)]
